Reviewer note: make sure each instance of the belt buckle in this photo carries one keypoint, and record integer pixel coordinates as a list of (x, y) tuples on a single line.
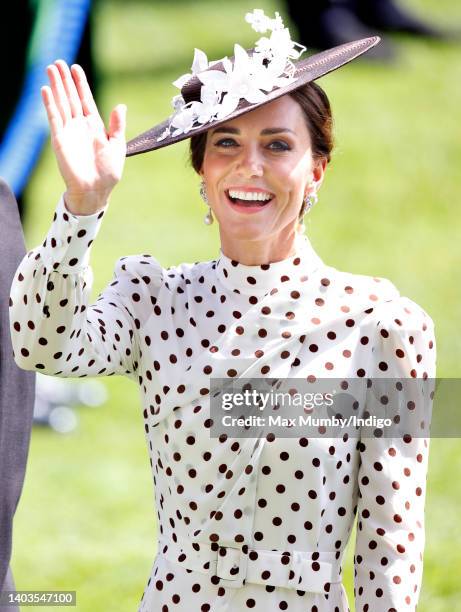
[(230, 565)]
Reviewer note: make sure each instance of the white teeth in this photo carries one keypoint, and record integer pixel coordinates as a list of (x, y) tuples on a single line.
[(250, 195)]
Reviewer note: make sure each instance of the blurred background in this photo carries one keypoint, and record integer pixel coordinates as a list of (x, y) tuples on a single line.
[(389, 207)]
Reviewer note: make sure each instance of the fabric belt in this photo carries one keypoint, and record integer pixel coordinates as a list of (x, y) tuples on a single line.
[(300, 570)]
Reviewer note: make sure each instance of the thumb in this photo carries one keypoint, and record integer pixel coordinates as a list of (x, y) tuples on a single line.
[(117, 122)]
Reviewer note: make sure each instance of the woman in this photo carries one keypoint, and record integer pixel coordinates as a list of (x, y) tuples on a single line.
[(244, 523)]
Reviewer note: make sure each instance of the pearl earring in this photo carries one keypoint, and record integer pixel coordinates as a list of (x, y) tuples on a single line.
[(208, 220)]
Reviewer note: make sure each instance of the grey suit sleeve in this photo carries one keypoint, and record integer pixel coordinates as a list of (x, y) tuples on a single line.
[(17, 387)]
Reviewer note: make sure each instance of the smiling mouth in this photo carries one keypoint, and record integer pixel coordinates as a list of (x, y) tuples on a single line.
[(249, 203)]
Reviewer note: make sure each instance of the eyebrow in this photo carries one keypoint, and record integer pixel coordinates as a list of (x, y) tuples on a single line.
[(265, 132)]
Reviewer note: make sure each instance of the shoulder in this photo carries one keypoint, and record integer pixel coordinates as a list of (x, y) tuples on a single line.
[(137, 268), (402, 314), (148, 270), (404, 342), (7, 200), (387, 305), (358, 289), (187, 274), (396, 325), (4, 188)]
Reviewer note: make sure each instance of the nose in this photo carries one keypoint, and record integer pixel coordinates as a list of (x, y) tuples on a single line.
[(250, 162)]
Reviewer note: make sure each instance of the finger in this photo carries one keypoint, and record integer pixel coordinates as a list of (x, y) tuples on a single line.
[(117, 122), (52, 111), (84, 91), (70, 89), (59, 93)]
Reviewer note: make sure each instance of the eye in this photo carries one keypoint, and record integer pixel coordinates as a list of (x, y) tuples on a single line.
[(283, 146), (220, 143), (275, 145)]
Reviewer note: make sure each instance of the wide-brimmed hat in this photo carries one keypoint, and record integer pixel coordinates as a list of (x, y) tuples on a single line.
[(216, 92)]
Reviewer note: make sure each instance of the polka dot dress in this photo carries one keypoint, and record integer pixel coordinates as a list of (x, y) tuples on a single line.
[(244, 523)]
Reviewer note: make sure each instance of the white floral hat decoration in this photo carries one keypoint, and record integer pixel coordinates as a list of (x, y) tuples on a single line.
[(218, 91)]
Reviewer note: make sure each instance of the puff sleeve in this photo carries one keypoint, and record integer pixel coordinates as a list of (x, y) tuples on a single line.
[(53, 328), (388, 560)]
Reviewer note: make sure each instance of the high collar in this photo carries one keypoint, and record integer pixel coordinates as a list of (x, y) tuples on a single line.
[(258, 280)]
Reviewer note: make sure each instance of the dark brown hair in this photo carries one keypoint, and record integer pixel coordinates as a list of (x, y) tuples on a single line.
[(317, 112)]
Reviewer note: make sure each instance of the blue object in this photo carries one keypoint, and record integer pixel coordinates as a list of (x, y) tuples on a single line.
[(58, 29)]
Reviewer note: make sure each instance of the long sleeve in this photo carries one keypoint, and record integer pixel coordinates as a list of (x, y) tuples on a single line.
[(53, 328), (390, 540)]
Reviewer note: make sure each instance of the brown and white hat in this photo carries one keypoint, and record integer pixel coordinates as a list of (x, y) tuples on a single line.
[(215, 92)]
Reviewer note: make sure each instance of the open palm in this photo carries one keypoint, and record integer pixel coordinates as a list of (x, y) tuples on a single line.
[(90, 158)]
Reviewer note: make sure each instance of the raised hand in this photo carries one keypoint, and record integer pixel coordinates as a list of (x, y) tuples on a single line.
[(90, 158)]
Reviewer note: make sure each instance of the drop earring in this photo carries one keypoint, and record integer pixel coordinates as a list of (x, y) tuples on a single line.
[(208, 219), (308, 203)]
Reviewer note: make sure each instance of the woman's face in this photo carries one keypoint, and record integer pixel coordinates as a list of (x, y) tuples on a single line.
[(265, 154)]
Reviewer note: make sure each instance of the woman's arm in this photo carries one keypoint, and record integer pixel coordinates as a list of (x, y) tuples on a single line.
[(392, 476), (53, 328)]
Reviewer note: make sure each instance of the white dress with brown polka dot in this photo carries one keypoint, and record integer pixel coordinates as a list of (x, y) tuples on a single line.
[(244, 523)]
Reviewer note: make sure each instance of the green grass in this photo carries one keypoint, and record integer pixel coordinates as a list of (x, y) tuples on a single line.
[(389, 207)]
